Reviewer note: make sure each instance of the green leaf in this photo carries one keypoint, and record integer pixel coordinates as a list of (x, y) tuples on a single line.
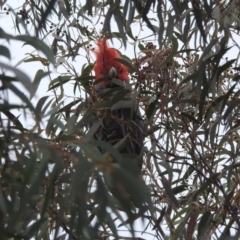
[(109, 149), (38, 45), (133, 186), (211, 108), (13, 119), (124, 62), (88, 6), (191, 225), (143, 11), (20, 76), (213, 134), (22, 96), (37, 79), (93, 129), (225, 66), (172, 54), (151, 108), (121, 143), (186, 27), (204, 224), (59, 81), (33, 41), (120, 24), (198, 17), (122, 104), (40, 103), (226, 97), (181, 227), (190, 117), (91, 152), (118, 96), (4, 51), (233, 104), (169, 30), (170, 193), (3, 206)]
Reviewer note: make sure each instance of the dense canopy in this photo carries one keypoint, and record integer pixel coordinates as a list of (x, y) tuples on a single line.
[(183, 62)]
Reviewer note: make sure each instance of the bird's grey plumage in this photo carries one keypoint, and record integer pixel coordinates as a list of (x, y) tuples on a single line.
[(120, 123)]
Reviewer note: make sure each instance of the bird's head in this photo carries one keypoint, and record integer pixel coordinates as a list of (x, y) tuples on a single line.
[(106, 65)]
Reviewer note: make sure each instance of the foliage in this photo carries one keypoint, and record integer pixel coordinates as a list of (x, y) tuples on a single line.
[(54, 181)]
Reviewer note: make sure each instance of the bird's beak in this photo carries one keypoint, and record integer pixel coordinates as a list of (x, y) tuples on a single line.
[(112, 72)]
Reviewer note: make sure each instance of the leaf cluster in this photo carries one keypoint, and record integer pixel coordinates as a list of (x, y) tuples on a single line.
[(55, 183)]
